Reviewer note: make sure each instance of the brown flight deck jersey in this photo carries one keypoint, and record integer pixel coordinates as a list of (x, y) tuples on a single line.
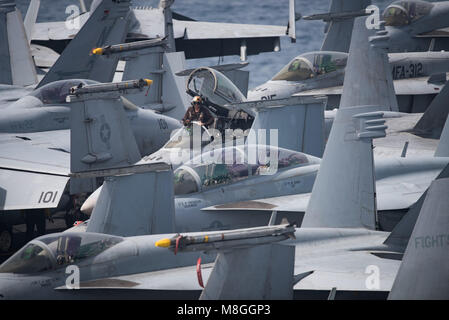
[(203, 115)]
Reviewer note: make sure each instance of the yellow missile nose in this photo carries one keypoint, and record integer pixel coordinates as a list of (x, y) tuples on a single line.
[(148, 82), (98, 51), (163, 243)]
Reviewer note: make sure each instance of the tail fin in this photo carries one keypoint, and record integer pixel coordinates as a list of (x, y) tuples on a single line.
[(134, 200), (339, 29), (149, 59), (101, 136), (443, 145), (298, 121), (136, 204), (432, 121), (107, 25), (424, 269), (368, 77), (346, 176), (16, 64), (256, 273), (30, 18), (400, 235)]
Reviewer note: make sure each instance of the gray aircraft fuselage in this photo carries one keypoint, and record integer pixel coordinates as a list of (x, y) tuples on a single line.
[(394, 177), (403, 66), (412, 29)]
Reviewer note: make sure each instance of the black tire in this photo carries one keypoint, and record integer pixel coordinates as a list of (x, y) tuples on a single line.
[(5, 239)]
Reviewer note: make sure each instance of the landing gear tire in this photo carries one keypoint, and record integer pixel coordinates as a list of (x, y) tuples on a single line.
[(5, 239)]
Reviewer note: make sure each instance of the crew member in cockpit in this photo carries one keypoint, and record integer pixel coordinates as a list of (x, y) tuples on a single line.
[(197, 112)]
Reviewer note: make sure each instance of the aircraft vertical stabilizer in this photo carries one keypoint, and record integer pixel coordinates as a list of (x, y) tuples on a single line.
[(16, 64), (151, 59), (346, 176), (299, 122), (31, 17), (424, 269), (255, 273), (433, 120), (368, 71), (107, 25), (136, 204), (443, 145), (402, 231), (339, 30), (101, 135)]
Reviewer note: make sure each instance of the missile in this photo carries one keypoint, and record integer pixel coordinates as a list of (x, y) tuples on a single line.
[(228, 239), (109, 87), (330, 16), (132, 46)]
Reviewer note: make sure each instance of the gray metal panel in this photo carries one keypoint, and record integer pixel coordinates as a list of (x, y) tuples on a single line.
[(368, 75), (299, 127), (433, 120), (107, 25), (22, 64), (424, 269), (262, 272), (136, 204), (240, 78), (346, 177), (101, 136), (173, 87), (30, 18), (338, 36), (30, 190)]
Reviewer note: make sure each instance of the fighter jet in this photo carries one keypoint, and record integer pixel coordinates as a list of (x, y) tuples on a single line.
[(214, 193), (197, 39), (335, 246), (413, 25), (418, 76)]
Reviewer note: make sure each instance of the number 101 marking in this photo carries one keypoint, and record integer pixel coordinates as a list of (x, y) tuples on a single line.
[(47, 197)]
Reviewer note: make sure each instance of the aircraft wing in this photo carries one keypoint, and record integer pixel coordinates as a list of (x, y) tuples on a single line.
[(9, 93), (291, 203), (415, 86), (344, 270), (437, 33), (34, 169), (197, 39)]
